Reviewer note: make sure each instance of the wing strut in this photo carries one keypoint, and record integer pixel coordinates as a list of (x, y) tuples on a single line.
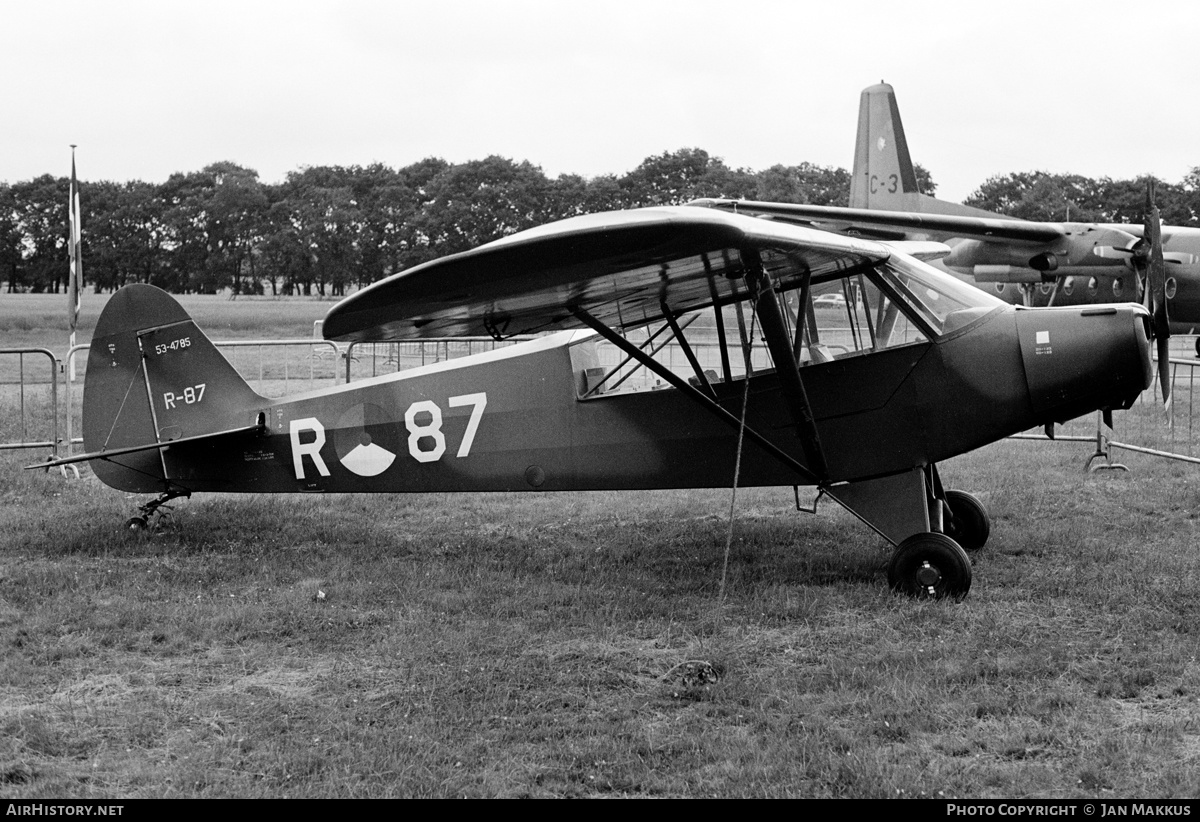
[(770, 318), (699, 396), (720, 320), (687, 349), (642, 345)]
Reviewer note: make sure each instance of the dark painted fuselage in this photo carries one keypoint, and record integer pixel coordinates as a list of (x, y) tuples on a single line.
[(512, 419)]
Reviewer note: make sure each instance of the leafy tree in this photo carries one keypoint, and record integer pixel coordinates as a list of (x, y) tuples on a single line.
[(925, 183), (1039, 195), (806, 183), (327, 228), (1190, 197), (10, 237), (571, 195), (673, 178), (236, 209), (40, 214), (185, 226), (473, 203), (286, 258), (212, 219), (326, 218)]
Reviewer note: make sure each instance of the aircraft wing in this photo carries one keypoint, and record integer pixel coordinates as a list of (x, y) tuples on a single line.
[(893, 223), (624, 268)]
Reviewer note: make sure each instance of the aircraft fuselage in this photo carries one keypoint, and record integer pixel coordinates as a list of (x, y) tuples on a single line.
[(513, 419)]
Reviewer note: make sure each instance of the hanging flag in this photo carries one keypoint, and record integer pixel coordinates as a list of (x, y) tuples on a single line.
[(74, 246)]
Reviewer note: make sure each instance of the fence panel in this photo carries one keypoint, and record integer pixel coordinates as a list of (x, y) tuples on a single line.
[(1148, 427), (28, 399), (274, 368), (277, 368), (373, 359)]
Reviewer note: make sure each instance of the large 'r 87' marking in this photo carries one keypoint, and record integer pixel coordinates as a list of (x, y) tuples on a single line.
[(420, 433)]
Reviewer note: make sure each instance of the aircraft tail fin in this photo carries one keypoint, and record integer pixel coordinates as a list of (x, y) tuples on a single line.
[(154, 378), (884, 177)]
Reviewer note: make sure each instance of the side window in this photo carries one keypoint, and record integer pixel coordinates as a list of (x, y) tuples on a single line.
[(714, 336), (850, 316)]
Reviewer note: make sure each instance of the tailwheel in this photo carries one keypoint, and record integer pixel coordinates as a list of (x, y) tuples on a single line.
[(930, 566), (141, 523), (968, 523)]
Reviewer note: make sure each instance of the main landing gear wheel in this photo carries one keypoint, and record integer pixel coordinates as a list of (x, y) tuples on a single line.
[(930, 566), (136, 525), (968, 523)]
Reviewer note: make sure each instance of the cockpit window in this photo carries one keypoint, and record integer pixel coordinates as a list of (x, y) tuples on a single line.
[(831, 316), (936, 296)]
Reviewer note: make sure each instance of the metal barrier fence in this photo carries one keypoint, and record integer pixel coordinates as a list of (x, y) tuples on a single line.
[(1149, 428), (367, 359), (21, 429), (305, 365), (373, 359), (292, 365)]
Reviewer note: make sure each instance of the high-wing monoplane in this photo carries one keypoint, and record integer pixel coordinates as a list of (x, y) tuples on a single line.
[(1022, 261), (860, 397)]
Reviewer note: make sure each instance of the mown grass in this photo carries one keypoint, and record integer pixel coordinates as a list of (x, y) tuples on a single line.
[(576, 645)]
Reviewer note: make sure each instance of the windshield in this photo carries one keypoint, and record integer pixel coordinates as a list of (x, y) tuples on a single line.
[(938, 297)]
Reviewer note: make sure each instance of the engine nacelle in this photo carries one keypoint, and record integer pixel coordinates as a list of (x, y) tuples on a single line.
[(980, 254)]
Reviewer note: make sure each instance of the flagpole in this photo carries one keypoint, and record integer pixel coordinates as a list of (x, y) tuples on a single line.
[(75, 274)]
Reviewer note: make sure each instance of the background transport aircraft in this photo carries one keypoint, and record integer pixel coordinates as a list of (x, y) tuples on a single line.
[(1022, 261), (861, 399)]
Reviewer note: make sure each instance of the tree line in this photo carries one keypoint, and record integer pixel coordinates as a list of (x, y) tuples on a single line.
[(329, 229)]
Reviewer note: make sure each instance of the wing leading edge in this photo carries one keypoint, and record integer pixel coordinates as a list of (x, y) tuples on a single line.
[(624, 268), (935, 226)]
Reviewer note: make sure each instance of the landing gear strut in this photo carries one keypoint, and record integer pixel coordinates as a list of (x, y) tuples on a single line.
[(141, 522)]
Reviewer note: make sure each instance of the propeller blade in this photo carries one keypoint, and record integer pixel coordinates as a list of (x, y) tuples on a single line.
[(1156, 292), (1164, 373), (1156, 269)]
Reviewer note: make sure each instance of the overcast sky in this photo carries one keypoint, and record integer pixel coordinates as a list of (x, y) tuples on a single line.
[(149, 88)]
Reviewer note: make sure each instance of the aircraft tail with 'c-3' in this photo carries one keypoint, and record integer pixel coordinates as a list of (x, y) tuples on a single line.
[(155, 382), (884, 177)]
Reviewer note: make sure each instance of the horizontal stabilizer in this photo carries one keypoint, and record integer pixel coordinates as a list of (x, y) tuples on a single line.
[(259, 428)]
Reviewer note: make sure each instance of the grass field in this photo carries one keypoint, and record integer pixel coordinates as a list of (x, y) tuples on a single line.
[(577, 645)]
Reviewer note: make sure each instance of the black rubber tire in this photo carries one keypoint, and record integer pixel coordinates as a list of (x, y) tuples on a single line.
[(136, 525), (930, 566), (968, 523)]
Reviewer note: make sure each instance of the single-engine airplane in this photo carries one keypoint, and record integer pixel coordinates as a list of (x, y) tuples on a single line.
[(1023, 261), (861, 398)]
